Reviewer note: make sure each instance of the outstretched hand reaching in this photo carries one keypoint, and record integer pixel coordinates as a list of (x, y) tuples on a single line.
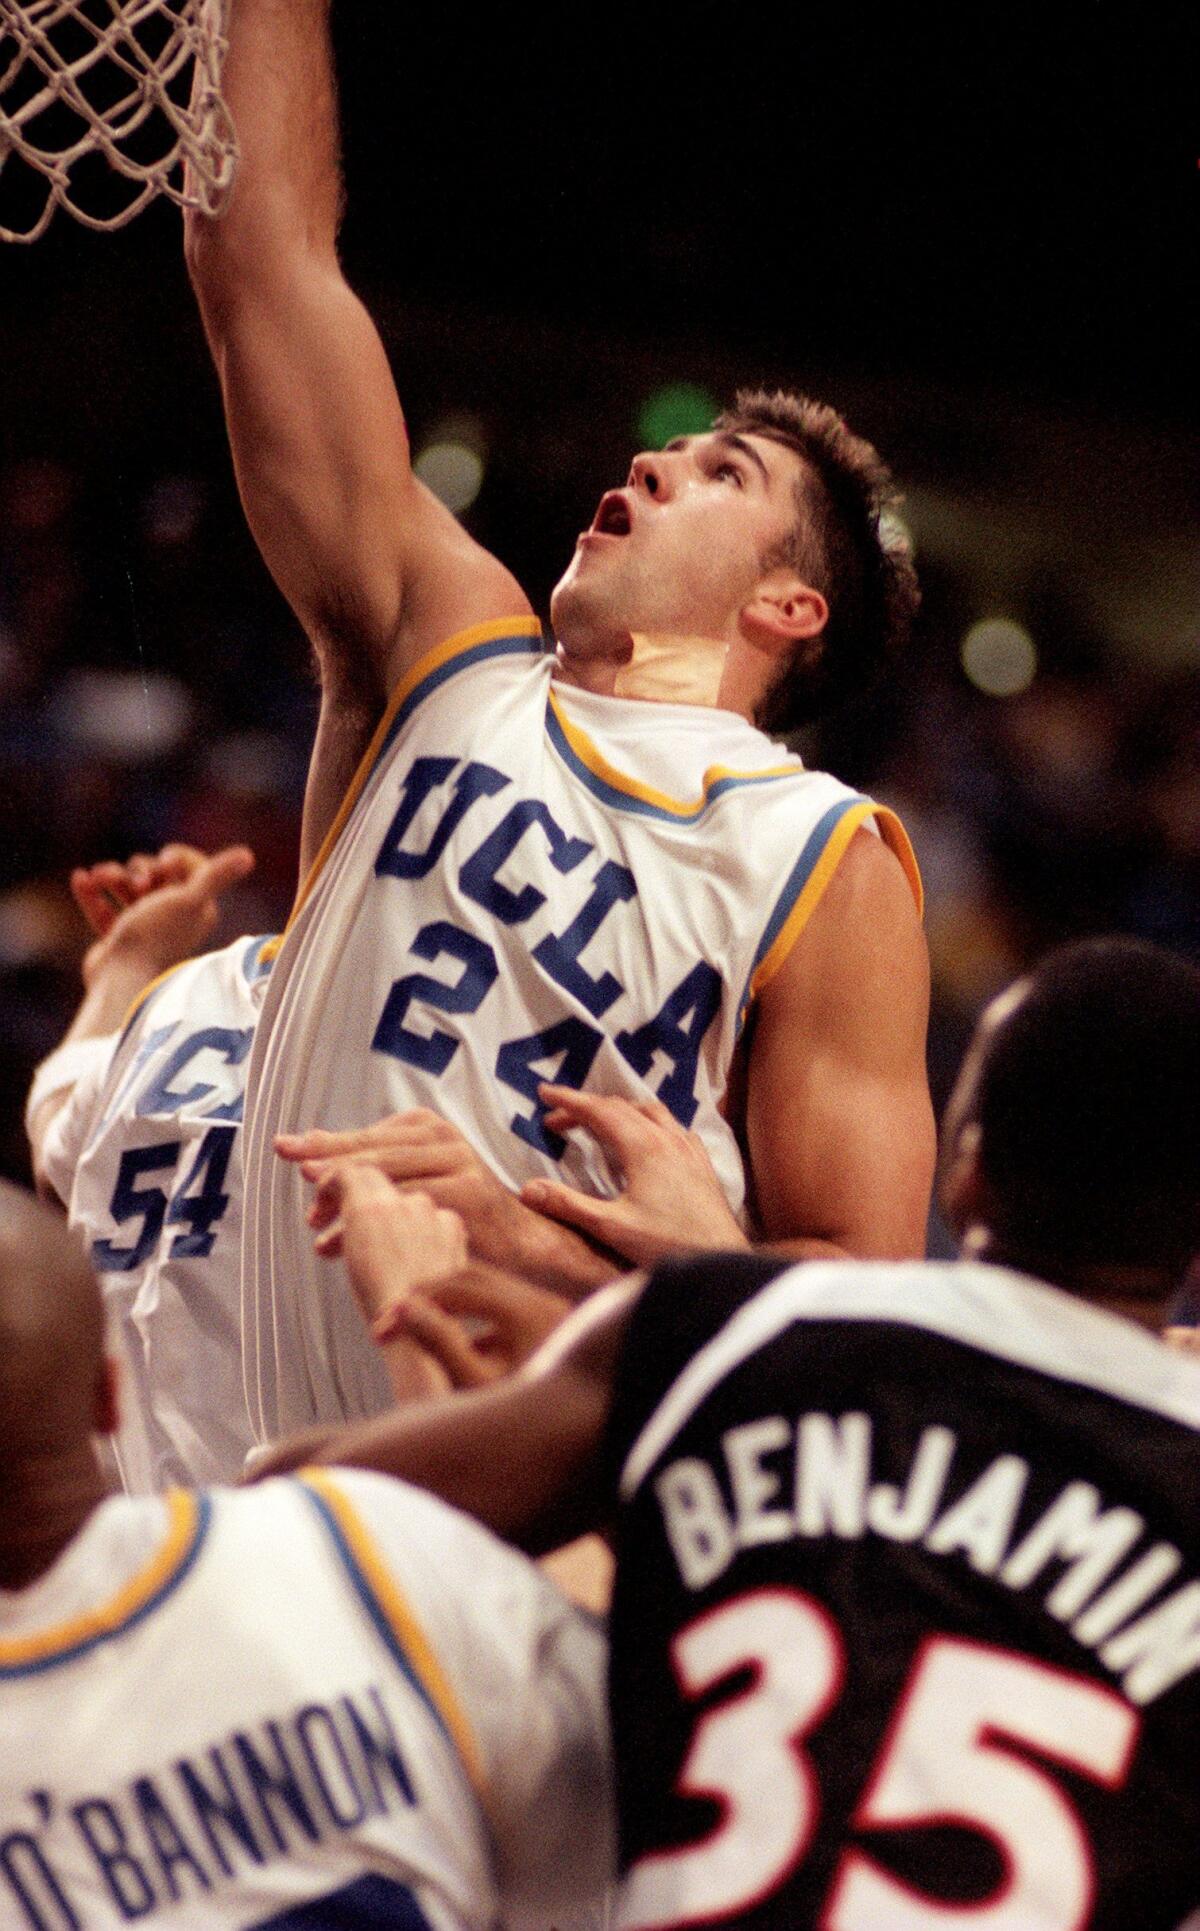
[(671, 1200)]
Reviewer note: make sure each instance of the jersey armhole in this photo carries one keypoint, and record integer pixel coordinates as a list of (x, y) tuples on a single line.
[(502, 637), (809, 878)]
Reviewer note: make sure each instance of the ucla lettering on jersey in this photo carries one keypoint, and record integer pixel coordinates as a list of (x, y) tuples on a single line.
[(527, 883), (146, 1157)]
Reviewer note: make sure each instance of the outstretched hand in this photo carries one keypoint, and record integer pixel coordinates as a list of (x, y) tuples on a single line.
[(480, 1324), (391, 1242), (420, 1151), (161, 908), (416, 1151), (671, 1200)]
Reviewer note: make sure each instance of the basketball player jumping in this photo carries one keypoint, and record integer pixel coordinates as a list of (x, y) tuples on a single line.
[(591, 866)]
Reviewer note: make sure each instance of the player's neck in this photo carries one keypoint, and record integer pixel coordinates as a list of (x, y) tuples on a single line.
[(1142, 1295), (658, 668), (45, 1503)]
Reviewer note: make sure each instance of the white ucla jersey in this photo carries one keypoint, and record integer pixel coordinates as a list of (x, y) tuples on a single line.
[(146, 1157), (527, 882), (330, 1700)]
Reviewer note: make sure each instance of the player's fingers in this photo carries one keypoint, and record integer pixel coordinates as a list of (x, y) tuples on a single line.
[(652, 1109), (143, 873), (178, 861), (328, 1243), (442, 1337), (96, 905), (613, 1121), (114, 881), (225, 868), (404, 1167), (511, 1307), (582, 1210), (319, 1143)]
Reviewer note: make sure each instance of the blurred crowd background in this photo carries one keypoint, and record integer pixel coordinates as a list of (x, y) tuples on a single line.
[(982, 250)]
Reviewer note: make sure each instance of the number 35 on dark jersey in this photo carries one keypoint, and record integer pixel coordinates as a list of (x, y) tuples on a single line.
[(906, 1630)]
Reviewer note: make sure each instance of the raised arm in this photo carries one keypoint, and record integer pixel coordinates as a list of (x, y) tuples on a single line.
[(147, 914), (375, 568), (838, 1121)]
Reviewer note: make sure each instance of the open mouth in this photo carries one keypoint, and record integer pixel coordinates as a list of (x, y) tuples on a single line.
[(612, 518)]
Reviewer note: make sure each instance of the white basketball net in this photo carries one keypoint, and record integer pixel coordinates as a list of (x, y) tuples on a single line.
[(136, 81)]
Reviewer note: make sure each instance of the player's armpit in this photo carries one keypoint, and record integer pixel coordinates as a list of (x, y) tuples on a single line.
[(375, 568), (839, 1123)]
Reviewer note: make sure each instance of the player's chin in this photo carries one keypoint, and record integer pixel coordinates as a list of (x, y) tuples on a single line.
[(575, 607)]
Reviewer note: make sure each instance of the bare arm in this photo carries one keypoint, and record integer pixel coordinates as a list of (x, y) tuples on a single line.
[(148, 914), (375, 568), (839, 1124), (520, 1454)]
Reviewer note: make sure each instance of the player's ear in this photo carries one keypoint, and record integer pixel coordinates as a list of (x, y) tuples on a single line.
[(107, 1413), (783, 613)]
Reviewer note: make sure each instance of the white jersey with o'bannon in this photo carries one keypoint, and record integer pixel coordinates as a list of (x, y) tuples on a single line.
[(146, 1157), (283, 1708), (527, 882)]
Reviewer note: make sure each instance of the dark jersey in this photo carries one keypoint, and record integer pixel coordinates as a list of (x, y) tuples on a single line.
[(906, 1629)]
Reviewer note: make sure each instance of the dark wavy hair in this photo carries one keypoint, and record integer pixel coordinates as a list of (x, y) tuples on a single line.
[(843, 544)]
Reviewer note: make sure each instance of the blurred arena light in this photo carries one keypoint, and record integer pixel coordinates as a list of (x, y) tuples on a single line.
[(126, 717), (999, 657), (677, 409), (452, 460)]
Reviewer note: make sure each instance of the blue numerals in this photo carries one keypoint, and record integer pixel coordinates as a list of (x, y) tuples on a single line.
[(199, 1202), (564, 1050), (465, 995), (562, 1053)]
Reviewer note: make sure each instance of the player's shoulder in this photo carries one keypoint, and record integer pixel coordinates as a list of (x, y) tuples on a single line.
[(506, 648), (425, 1546), (224, 983)]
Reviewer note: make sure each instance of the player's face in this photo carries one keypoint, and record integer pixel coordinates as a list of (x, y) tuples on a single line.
[(678, 550)]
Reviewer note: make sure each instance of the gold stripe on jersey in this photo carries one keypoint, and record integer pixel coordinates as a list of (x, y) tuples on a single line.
[(816, 876), (717, 779), (378, 1580), (433, 660), (187, 1517)]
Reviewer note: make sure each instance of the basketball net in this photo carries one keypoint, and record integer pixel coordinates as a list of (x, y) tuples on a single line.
[(136, 82)]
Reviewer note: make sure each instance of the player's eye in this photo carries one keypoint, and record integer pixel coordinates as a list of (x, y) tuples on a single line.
[(729, 471)]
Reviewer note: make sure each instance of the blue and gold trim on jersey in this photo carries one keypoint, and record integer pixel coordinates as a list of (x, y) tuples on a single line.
[(502, 637), (256, 963), (188, 1518), (622, 793), (809, 877), (392, 1617)]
